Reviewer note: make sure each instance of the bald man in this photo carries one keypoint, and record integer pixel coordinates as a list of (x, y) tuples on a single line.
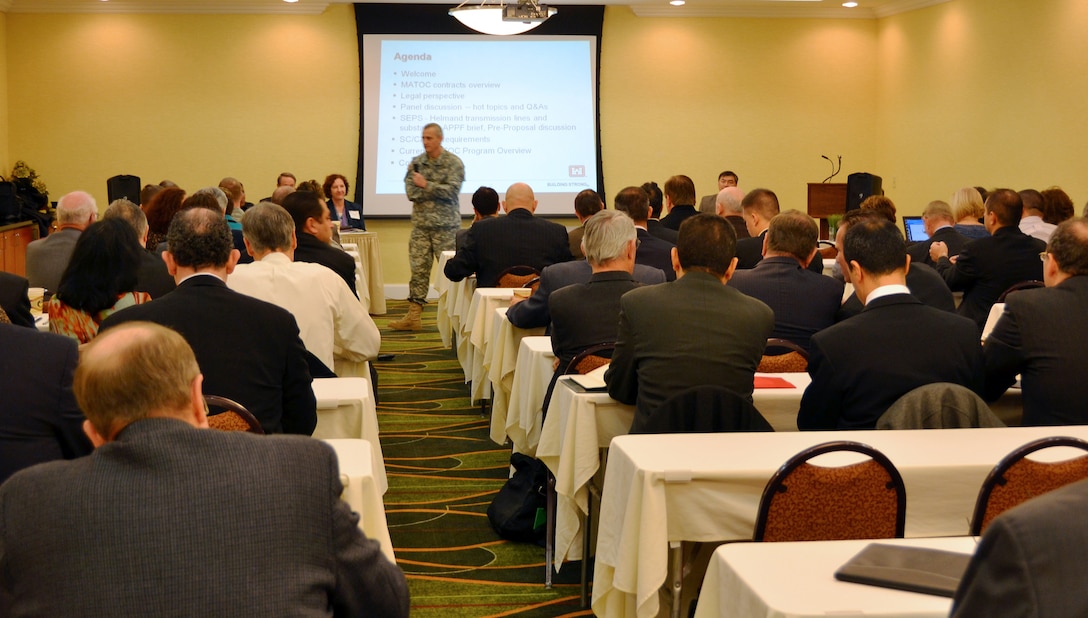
[(517, 239), (728, 204)]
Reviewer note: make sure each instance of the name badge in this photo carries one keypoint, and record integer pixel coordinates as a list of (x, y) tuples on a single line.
[(352, 214)]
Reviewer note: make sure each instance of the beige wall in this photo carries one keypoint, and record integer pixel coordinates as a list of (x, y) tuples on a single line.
[(967, 92)]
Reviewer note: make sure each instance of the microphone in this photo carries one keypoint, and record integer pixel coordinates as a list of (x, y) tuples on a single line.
[(834, 171)]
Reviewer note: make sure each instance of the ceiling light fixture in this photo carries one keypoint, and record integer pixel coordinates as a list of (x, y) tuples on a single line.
[(850, 5), (500, 18), (677, 2)]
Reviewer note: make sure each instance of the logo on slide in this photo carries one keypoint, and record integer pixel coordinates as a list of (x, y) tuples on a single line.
[(576, 171)]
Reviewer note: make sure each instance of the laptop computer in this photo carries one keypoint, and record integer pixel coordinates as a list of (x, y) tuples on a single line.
[(915, 228)]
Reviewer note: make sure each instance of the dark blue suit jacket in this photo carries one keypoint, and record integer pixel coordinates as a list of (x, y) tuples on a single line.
[(355, 215), (655, 253), (678, 215), (516, 239)]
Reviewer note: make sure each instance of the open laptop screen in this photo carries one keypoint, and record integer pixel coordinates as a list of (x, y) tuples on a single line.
[(915, 228)]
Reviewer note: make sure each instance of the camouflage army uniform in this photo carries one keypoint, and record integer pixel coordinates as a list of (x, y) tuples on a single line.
[(436, 216)]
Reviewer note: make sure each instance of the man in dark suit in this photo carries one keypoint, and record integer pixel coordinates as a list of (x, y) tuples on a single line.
[(1027, 561), (152, 276), (861, 366), (14, 299), (803, 302), (652, 251), (1041, 336), (260, 361), (938, 220), (533, 312), (728, 204), (518, 239), (719, 341), (657, 206), (586, 314), (923, 282), (680, 200), (39, 418), (168, 517), (485, 205), (47, 258), (988, 266), (759, 207), (586, 204), (313, 231)]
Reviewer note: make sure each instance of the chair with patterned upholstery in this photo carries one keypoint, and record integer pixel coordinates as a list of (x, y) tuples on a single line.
[(4, 317), (783, 356), (1017, 479), (229, 415), (806, 502), (519, 277), (591, 358)]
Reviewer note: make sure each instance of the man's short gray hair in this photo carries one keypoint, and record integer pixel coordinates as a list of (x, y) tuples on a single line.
[(129, 213), (218, 194), (268, 227), (729, 199), (606, 236), (76, 208)]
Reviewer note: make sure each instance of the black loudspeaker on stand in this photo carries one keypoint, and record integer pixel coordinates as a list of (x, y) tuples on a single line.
[(859, 186), (124, 186)]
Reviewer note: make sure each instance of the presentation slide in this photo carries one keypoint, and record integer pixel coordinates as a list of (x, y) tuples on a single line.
[(513, 109)]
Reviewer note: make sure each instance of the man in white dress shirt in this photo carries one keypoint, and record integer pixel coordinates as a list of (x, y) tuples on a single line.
[(331, 320)]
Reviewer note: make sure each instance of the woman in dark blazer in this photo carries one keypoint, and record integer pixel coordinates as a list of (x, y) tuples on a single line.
[(349, 214)]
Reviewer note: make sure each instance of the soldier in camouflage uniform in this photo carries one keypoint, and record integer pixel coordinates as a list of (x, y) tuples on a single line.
[(432, 183)]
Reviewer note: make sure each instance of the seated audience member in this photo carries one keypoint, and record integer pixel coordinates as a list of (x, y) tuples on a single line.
[(260, 361), (151, 276), (15, 299), (236, 193), (923, 282), (803, 302), (652, 251), (39, 418), (719, 341), (518, 239), (586, 204), (285, 181), (728, 204), (880, 204), (1037, 336), (160, 211), (968, 207), (1031, 222), (204, 514), (280, 194), (988, 266), (149, 192), (47, 258), (313, 231), (709, 202), (348, 213), (100, 280), (586, 314), (759, 206), (680, 200), (1025, 564), (329, 316), (1057, 205), (937, 217), (657, 206), (861, 366), (485, 205)]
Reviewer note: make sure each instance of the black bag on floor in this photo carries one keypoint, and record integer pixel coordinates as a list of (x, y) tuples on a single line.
[(517, 512)]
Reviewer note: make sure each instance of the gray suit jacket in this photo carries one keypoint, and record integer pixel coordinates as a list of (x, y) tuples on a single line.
[(47, 258), (1027, 562), (173, 520), (586, 314), (719, 340)]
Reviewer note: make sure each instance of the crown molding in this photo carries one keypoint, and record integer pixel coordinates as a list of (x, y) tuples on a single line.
[(779, 10), (192, 7), (894, 7)]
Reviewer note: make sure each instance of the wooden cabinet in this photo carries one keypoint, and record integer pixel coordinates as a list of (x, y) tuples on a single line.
[(13, 241)]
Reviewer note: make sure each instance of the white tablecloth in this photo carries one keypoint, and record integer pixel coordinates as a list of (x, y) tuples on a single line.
[(345, 409), (707, 487), (361, 490), (477, 330), (797, 580), (520, 417), (369, 263), (442, 286)]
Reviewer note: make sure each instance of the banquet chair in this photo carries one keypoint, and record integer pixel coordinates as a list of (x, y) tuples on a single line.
[(519, 277), (229, 415), (1017, 479), (591, 358), (826, 249), (789, 358), (4, 319), (805, 502), (941, 405), (1023, 285)]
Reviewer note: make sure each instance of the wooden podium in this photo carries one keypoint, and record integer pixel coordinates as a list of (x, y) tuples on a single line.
[(824, 199)]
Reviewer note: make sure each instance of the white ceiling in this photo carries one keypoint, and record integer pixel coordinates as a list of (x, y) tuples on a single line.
[(867, 9)]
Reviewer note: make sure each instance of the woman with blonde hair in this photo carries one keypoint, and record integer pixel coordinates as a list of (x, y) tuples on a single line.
[(967, 209)]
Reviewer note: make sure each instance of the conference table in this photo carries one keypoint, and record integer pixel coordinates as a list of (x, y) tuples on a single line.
[(500, 363), (797, 580), (670, 488), (520, 418), (361, 489), (477, 330), (345, 409), (368, 263)]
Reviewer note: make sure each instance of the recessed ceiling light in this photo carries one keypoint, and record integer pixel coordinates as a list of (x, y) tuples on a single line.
[(676, 2), (850, 5), (290, 1)]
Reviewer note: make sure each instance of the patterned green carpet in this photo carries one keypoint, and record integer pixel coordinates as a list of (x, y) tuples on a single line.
[(443, 472)]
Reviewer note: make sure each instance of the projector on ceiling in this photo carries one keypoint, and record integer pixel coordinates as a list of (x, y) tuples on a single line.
[(525, 12)]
